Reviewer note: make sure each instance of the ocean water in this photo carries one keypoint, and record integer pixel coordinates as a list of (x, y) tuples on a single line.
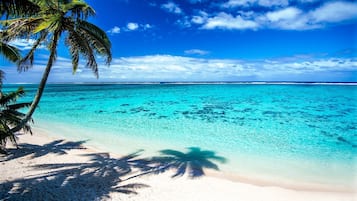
[(282, 133)]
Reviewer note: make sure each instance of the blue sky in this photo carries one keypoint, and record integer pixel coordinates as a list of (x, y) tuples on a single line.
[(221, 40)]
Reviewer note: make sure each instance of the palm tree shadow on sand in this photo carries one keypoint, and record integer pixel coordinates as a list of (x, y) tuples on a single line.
[(94, 180), (192, 162), (59, 147), (99, 177)]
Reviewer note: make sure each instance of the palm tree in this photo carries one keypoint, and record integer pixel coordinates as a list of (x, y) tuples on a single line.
[(55, 19), (10, 116)]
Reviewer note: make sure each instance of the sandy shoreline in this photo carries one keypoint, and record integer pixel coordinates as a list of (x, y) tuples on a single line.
[(46, 168)]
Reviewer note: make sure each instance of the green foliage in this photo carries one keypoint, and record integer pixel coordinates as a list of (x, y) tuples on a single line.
[(10, 8), (11, 53), (47, 22), (10, 116), (54, 19)]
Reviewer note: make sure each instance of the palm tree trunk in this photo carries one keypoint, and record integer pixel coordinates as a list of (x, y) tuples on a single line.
[(41, 86)]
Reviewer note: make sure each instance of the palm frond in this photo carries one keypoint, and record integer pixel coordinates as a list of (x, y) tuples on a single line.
[(20, 27), (79, 44), (78, 9), (5, 133), (17, 8), (9, 52), (98, 39), (6, 99), (27, 62), (19, 106), (10, 116)]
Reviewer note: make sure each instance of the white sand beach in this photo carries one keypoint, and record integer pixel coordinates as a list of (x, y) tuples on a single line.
[(46, 168)]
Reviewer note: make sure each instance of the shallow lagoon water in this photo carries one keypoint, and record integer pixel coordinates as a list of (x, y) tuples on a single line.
[(303, 133)]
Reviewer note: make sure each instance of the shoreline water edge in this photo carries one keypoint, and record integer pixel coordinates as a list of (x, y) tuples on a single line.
[(46, 150), (295, 138)]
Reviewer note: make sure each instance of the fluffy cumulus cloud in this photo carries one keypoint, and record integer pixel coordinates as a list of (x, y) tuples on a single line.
[(226, 21), (114, 30), (283, 14), (276, 14), (335, 12), (24, 44), (132, 26), (171, 7), (179, 68), (295, 19), (290, 18)]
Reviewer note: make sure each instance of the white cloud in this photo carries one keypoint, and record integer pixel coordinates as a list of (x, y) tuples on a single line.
[(227, 21), (272, 3), (171, 7), (335, 12), (178, 68), (197, 52), (147, 26), (290, 18), (284, 14), (114, 30), (200, 19), (236, 3), (132, 26), (262, 3), (278, 16), (25, 44)]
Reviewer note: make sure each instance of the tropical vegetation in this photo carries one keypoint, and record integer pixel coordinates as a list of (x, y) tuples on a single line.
[(9, 52), (10, 116), (46, 22)]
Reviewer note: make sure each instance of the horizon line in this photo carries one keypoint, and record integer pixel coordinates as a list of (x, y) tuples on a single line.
[(198, 82)]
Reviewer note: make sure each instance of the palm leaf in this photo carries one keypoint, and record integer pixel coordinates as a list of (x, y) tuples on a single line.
[(10, 116), (11, 8), (20, 27), (9, 52), (18, 106), (78, 9), (27, 61), (5, 99), (79, 44), (97, 38), (54, 19)]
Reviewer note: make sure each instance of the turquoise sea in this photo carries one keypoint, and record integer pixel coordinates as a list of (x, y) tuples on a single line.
[(284, 133)]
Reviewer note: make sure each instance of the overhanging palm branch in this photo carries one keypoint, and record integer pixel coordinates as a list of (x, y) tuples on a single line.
[(56, 19), (9, 52), (9, 8), (10, 116)]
